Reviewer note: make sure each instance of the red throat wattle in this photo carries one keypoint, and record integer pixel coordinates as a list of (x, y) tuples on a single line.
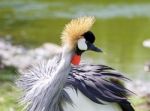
[(76, 59)]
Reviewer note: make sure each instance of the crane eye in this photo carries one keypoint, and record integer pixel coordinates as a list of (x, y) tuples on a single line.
[(82, 44)]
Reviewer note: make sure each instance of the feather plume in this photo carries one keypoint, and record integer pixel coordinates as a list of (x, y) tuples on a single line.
[(75, 29)]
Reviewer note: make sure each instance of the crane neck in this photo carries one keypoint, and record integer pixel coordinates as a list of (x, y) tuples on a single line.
[(73, 57), (77, 56), (66, 57)]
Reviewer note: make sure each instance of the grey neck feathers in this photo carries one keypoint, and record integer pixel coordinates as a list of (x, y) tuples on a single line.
[(65, 60), (58, 80)]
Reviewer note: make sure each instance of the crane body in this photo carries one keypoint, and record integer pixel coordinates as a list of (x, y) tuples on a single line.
[(63, 84)]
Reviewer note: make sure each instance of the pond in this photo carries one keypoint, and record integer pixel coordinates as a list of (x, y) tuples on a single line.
[(120, 28)]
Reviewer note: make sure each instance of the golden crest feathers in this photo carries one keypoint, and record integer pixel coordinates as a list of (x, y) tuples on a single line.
[(75, 29)]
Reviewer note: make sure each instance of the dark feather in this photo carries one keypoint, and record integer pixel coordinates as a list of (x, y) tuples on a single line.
[(98, 82), (126, 106)]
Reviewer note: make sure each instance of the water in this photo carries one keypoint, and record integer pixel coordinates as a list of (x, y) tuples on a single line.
[(120, 29), (38, 10)]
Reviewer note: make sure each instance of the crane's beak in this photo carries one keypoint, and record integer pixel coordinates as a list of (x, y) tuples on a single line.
[(92, 47)]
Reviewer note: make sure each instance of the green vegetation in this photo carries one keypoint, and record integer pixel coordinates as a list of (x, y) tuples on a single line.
[(7, 74), (141, 104), (8, 97)]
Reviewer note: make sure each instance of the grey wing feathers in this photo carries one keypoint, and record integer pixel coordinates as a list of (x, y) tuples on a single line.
[(98, 82), (36, 73), (35, 85)]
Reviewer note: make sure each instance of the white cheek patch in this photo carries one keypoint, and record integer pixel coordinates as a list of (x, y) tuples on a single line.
[(82, 45)]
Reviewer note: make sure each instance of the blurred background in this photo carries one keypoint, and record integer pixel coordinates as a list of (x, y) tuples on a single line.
[(29, 27)]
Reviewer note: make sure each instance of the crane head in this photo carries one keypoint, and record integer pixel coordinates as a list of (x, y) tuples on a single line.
[(78, 38), (77, 34), (86, 43)]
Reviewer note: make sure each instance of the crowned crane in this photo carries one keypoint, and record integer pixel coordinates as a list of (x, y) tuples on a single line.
[(49, 85)]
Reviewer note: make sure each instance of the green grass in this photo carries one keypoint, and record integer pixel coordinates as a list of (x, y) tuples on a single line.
[(8, 97), (9, 94), (7, 74), (140, 103)]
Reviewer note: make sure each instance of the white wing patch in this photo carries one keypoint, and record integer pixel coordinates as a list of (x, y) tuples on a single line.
[(82, 103), (81, 44)]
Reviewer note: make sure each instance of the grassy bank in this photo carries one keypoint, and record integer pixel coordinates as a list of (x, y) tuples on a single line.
[(8, 90)]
